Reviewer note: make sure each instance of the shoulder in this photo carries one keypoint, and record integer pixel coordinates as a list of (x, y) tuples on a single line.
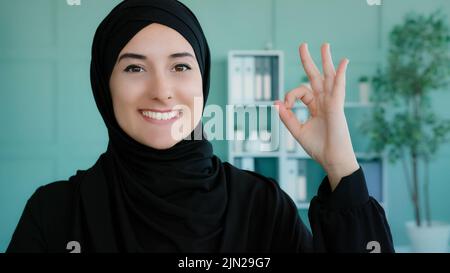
[(54, 203), (51, 201), (46, 218), (54, 197), (58, 190)]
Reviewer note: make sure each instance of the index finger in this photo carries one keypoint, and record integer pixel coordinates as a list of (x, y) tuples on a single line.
[(310, 68)]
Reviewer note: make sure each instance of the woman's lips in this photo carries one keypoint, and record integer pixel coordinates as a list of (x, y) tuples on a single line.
[(147, 118), (156, 110)]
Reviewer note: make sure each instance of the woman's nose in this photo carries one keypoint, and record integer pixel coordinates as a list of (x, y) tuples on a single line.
[(160, 88)]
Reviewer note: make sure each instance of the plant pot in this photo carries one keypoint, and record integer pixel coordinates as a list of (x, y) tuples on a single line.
[(434, 238), (364, 92)]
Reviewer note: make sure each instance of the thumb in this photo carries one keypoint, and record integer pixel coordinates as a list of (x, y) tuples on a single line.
[(288, 118)]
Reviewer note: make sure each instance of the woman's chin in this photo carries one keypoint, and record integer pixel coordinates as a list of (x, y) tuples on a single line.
[(163, 145)]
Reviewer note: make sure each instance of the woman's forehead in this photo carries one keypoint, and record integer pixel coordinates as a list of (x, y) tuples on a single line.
[(158, 38)]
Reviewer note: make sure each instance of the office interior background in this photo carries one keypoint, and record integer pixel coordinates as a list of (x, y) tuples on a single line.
[(50, 126)]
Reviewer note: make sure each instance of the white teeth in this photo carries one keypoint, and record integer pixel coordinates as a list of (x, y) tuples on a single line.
[(160, 116)]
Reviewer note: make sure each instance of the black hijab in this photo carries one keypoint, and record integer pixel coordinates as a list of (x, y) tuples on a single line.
[(157, 200), (181, 199), (139, 199)]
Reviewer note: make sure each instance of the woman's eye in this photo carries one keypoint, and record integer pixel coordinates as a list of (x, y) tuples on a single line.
[(133, 69), (182, 66)]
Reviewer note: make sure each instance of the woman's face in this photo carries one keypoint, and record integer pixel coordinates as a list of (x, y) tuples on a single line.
[(154, 84)]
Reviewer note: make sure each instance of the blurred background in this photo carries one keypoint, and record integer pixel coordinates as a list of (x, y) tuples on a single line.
[(51, 126)]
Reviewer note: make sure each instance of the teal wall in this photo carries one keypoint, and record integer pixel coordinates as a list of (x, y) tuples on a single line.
[(51, 127)]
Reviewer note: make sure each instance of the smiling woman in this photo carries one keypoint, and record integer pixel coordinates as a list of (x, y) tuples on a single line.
[(153, 191), (156, 75)]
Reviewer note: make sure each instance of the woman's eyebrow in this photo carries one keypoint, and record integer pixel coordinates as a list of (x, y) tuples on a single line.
[(131, 56), (181, 55), (143, 57)]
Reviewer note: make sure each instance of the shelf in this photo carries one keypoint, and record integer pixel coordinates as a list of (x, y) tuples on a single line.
[(271, 103), (351, 104), (252, 104), (293, 155), (255, 154), (252, 53)]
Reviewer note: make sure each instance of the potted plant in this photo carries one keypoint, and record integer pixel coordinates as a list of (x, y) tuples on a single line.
[(364, 90), (403, 124)]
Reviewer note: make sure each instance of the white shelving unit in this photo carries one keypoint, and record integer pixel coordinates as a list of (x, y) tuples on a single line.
[(242, 77)]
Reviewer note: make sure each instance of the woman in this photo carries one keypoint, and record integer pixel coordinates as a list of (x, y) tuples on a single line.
[(157, 191)]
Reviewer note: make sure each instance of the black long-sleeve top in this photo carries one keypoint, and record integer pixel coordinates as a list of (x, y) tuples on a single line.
[(260, 217)]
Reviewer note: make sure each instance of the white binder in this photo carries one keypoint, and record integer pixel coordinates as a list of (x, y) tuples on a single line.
[(267, 79), (249, 79), (237, 71), (259, 69), (291, 178)]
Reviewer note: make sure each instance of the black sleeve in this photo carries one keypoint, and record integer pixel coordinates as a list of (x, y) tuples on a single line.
[(348, 219), (28, 236)]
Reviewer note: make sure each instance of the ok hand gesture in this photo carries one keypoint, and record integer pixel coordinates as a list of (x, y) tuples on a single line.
[(325, 135)]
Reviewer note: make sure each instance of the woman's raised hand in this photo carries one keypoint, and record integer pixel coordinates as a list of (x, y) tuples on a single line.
[(325, 135)]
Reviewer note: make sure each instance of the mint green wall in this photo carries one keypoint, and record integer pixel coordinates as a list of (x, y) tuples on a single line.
[(51, 127)]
